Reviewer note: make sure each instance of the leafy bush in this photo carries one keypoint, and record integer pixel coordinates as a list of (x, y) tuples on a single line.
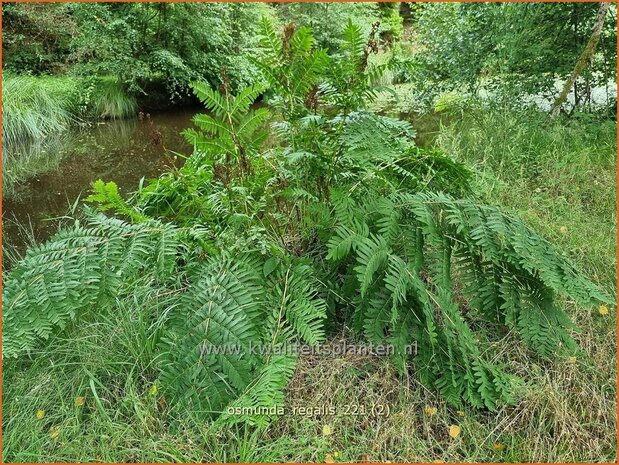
[(489, 45)]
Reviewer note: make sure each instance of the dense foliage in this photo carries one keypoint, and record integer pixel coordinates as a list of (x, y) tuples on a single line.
[(336, 218), (153, 48), (521, 49)]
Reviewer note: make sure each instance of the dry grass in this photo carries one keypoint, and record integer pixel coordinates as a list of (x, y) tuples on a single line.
[(566, 411)]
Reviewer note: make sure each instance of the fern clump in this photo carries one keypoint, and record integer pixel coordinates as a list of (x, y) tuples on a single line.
[(408, 253), (339, 219)]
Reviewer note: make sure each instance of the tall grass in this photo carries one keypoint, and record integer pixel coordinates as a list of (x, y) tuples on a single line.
[(558, 174), (109, 100), (34, 107)]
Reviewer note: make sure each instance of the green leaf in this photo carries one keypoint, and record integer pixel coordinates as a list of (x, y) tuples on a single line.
[(270, 265)]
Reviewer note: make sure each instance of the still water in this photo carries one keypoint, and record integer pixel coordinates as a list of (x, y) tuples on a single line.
[(122, 151)]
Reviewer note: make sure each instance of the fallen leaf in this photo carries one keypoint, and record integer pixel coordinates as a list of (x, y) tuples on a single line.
[(603, 310), (430, 411)]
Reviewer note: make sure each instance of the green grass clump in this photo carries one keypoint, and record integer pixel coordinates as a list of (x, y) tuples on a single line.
[(108, 99), (35, 107)]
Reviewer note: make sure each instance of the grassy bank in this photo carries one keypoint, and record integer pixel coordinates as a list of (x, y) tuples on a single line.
[(93, 397), (39, 111), (35, 107)]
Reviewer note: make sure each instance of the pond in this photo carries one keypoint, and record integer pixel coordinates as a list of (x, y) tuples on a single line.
[(122, 151)]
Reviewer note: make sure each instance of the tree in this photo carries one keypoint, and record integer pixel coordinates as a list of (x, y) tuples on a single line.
[(583, 60)]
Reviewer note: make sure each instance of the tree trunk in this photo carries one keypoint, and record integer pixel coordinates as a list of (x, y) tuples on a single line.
[(583, 60)]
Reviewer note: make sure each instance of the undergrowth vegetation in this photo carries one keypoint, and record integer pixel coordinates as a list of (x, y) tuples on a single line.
[(554, 172), (312, 220)]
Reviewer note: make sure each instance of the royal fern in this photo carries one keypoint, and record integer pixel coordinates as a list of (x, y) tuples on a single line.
[(77, 271), (417, 257), (232, 133), (228, 334), (292, 66), (246, 263)]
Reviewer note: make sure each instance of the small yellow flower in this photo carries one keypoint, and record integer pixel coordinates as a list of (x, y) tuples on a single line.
[(40, 414), (327, 430), (454, 431), (572, 360), (437, 461), (498, 446), (79, 401), (603, 310), (430, 411), (563, 229), (153, 390), (336, 453), (54, 432), (460, 413), (329, 459)]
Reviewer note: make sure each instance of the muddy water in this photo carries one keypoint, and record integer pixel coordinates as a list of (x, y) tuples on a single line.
[(122, 151)]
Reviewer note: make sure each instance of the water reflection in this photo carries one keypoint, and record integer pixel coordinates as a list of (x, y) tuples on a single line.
[(123, 151)]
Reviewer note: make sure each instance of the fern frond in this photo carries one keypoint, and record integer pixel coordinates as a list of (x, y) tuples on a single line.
[(211, 99), (245, 98), (225, 330), (372, 253), (212, 126), (76, 270), (353, 42)]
